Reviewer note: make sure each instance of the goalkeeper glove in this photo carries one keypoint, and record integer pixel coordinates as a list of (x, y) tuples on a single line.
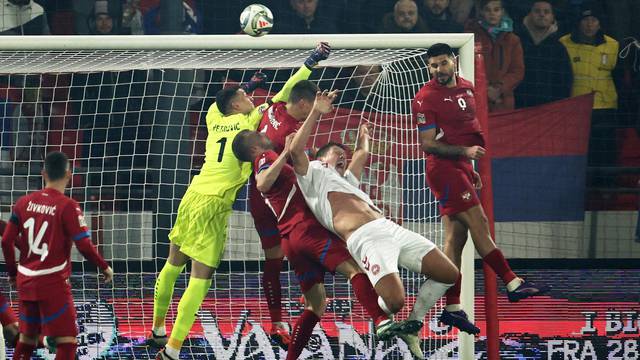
[(257, 79), (321, 52)]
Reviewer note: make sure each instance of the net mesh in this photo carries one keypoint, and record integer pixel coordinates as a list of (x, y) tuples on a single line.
[(133, 124)]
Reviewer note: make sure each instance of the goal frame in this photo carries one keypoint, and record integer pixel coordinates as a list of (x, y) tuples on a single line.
[(464, 42)]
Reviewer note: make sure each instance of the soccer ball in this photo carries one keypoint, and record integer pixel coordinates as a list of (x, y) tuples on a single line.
[(256, 20)]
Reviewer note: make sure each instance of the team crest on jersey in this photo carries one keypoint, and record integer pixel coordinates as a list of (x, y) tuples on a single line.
[(82, 221), (421, 118), (262, 161), (375, 269), (466, 196)]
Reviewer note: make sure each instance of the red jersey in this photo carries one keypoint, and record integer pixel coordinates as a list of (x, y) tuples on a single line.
[(43, 226), (277, 124), (285, 198), (452, 111)]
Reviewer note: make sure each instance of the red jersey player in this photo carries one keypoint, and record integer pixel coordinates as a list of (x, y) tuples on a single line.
[(445, 112), (7, 317), (48, 223), (280, 120), (310, 248)]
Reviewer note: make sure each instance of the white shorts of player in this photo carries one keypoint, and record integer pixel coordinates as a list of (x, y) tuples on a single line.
[(381, 245)]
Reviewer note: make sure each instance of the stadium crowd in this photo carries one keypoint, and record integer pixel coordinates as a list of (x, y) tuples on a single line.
[(535, 51)]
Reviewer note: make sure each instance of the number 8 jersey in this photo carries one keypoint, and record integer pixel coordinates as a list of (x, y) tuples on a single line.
[(43, 226)]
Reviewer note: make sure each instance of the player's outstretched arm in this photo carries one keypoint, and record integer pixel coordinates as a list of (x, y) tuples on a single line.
[(430, 145), (266, 177), (321, 52), (322, 105), (361, 154)]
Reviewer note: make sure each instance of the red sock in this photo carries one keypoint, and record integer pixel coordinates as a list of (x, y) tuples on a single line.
[(301, 333), (453, 293), (23, 351), (367, 296), (7, 317), (497, 262), (66, 351), (271, 283)]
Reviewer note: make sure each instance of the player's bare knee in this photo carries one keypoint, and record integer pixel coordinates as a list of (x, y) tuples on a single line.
[(274, 252), (349, 269), (29, 339), (66, 340), (395, 303)]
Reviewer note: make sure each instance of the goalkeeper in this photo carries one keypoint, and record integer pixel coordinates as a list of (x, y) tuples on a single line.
[(200, 231)]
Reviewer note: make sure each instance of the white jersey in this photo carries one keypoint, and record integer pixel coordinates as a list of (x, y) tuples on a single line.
[(319, 181)]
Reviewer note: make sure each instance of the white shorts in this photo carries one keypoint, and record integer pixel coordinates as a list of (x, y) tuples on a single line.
[(381, 245)]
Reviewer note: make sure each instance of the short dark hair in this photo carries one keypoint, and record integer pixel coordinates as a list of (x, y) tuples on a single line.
[(483, 3), (439, 49), (550, 2), (303, 90), (241, 146), (224, 98), (324, 149), (56, 164)]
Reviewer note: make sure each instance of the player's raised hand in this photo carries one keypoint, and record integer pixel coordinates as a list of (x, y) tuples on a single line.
[(108, 275), (474, 152), (324, 101), (321, 52), (257, 79), (287, 142)]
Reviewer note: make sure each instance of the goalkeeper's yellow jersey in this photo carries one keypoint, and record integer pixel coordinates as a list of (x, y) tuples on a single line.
[(222, 173)]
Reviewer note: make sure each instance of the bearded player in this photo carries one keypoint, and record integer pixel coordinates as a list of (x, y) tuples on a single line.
[(43, 226), (445, 112)]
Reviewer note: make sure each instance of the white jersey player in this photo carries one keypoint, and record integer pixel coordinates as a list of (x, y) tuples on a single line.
[(380, 245)]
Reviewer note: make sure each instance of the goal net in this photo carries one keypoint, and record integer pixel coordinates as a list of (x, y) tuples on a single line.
[(129, 112)]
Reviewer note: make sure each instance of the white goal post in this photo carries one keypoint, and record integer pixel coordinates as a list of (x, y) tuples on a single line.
[(22, 56)]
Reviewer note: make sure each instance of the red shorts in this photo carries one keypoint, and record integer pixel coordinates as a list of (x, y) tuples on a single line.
[(263, 218), (451, 181), (312, 250), (6, 312), (52, 316)]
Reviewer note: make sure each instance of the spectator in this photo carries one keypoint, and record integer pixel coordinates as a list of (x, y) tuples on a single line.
[(304, 17), (23, 17), (461, 9), (404, 19), (547, 71), (101, 23), (593, 58), (502, 52), (438, 17)]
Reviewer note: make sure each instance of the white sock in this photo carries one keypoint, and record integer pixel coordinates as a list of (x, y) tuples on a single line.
[(453, 307), (383, 306), (429, 293), (159, 331), (513, 284), (174, 353)]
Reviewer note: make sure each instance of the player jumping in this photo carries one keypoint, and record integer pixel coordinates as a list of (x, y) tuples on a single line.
[(445, 112), (48, 223), (200, 230), (280, 120), (310, 248), (379, 245)]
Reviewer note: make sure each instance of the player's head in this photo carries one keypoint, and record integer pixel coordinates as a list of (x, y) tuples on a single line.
[(247, 145), (491, 11), (301, 99), (442, 65), (56, 168), (335, 155), (233, 100)]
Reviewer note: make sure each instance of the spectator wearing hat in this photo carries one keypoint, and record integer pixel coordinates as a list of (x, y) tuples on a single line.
[(547, 75), (504, 64), (404, 19), (102, 22), (593, 57)]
